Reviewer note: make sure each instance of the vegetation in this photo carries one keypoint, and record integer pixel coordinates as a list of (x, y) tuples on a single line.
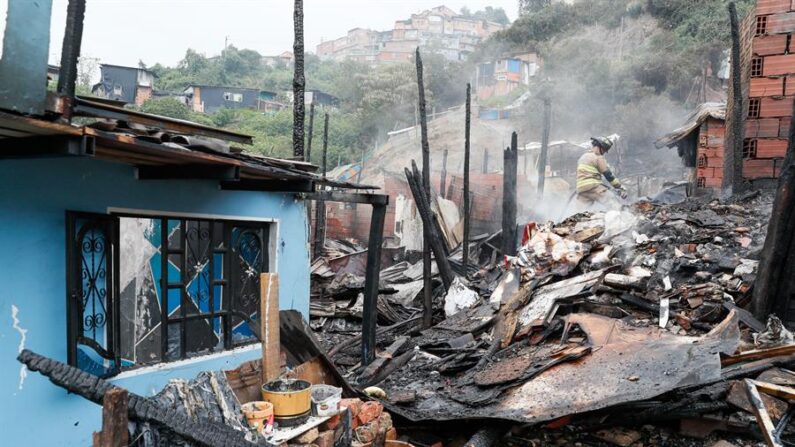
[(625, 66), (633, 67), (373, 101)]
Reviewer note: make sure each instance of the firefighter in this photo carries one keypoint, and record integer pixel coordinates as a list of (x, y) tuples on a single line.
[(591, 167)]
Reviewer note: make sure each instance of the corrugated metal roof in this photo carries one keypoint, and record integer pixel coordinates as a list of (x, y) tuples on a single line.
[(715, 110)]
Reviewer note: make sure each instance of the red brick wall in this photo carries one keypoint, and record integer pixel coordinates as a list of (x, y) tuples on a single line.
[(774, 88)]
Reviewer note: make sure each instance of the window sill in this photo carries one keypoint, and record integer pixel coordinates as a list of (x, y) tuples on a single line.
[(161, 367)]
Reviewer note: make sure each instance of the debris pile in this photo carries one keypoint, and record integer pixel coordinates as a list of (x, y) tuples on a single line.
[(604, 320)]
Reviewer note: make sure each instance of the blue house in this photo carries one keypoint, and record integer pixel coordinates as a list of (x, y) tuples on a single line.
[(212, 98), (133, 250), (134, 245)]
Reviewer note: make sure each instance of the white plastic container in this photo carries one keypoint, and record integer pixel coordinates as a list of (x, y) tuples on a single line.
[(326, 400)]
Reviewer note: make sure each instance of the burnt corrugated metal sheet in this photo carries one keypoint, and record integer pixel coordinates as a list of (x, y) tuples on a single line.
[(770, 45), (772, 6), (781, 23)]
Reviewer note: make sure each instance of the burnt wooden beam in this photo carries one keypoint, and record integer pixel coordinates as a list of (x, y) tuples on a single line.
[(199, 430), (70, 54), (299, 81), (542, 158), (468, 121), (195, 171), (94, 108), (436, 244), (320, 206), (114, 420), (310, 133), (47, 146), (427, 297), (371, 280), (268, 185), (733, 153), (509, 198), (345, 197)]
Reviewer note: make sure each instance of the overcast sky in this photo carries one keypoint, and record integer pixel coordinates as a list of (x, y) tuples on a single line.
[(125, 31)]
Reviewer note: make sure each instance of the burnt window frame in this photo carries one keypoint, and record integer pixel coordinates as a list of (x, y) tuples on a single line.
[(230, 310)]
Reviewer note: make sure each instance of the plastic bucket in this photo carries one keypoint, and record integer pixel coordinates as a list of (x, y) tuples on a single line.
[(291, 400), (326, 400), (259, 414)]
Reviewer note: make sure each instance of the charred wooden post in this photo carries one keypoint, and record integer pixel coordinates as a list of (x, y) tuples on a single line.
[(299, 81), (201, 431), (443, 183), (430, 226), (427, 301), (775, 281), (310, 133), (465, 255), (320, 207), (485, 165), (371, 279), (114, 420), (733, 154), (542, 158), (70, 53), (510, 162)]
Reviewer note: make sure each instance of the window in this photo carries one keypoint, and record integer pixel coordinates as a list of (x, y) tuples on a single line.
[(761, 25), (234, 97), (754, 105), (756, 66), (117, 90), (701, 182), (749, 148), (702, 161), (148, 290)]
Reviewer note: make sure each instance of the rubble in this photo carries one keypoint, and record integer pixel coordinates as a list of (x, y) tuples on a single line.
[(600, 324)]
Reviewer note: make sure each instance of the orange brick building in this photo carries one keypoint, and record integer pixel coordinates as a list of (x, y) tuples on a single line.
[(767, 61), (767, 64)]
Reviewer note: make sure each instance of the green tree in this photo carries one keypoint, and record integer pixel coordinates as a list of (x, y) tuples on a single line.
[(170, 107)]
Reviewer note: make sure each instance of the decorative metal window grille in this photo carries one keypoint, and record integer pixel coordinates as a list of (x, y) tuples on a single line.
[(761, 25), (702, 161), (756, 66), (754, 106), (749, 148), (180, 288), (701, 182)]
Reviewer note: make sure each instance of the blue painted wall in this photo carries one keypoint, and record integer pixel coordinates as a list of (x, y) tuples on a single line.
[(33, 197)]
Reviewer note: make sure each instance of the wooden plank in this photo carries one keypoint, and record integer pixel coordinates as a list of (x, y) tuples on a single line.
[(114, 418), (758, 354), (269, 326)]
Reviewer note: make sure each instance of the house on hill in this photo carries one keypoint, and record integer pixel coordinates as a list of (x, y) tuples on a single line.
[(212, 98), (130, 85)]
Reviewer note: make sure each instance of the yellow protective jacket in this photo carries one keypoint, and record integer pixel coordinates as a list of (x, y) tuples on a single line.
[(590, 169)]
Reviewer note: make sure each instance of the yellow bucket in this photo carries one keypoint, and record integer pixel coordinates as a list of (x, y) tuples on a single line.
[(291, 399)]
